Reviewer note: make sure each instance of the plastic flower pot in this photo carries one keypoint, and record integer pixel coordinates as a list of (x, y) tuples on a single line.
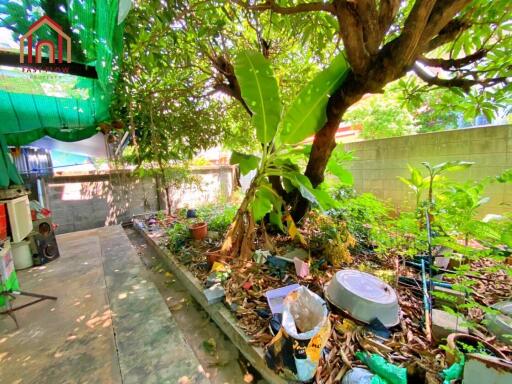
[(199, 230), (454, 341)]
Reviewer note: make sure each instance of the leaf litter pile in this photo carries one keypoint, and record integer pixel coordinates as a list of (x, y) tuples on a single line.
[(407, 344)]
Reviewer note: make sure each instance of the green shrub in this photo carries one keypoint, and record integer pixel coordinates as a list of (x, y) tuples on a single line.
[(364, 215), (178, 236), (218, 218)]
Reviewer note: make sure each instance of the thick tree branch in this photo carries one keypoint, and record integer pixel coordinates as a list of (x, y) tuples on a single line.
[(352, 34), (367, 10), (387, 12), (447, 34), (450, 64), (406, 46), (443, 12), (299, 8), (456, 82)]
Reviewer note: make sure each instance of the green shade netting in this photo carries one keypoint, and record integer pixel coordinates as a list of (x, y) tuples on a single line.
[(8, 172), (66, 108), (61, 106)]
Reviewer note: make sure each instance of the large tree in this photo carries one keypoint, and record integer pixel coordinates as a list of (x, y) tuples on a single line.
[(465, 42), (461, 45)]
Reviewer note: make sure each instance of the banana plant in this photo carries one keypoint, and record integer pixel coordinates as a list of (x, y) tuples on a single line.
[(278, 131)]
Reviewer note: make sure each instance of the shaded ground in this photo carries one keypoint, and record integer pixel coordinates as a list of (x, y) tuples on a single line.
[(217, 354), (109, 324)]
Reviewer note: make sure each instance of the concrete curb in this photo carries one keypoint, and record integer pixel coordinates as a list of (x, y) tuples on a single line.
[(218, 312)]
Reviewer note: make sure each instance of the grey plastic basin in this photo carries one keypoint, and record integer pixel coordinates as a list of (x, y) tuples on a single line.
[(364, 296)]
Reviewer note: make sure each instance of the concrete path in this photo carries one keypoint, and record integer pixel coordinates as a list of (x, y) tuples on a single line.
[(220, 358), (109, 324)]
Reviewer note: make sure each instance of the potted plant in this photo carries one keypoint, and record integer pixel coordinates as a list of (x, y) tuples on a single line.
[(198, 229), (464, 343), (213, 255)]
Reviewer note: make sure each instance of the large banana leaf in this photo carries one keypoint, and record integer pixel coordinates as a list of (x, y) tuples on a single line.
[(265, 200), (306, 114), (315, 195), (260, 92), (246, 162), (261, 205)]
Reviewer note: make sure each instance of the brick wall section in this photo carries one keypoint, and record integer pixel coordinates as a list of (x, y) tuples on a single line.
[(93, 201), (379, 162)]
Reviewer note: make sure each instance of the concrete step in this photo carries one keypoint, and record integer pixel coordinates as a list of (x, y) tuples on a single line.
[(151, 348)]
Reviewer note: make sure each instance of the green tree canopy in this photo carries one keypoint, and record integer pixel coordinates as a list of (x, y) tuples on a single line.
[(189, 48)]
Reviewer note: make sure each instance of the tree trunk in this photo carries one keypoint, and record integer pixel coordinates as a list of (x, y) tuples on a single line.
[(166, 187), (240, 236), (325, 139)]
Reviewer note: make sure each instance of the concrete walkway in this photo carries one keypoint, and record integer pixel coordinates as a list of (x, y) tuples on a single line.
[(109, 324)]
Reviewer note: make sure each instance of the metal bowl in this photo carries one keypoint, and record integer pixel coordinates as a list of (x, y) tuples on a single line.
[(364, 296)]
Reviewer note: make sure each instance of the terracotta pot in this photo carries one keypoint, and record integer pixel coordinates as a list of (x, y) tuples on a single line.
[(213, 255), (451, 342), (199, 230)]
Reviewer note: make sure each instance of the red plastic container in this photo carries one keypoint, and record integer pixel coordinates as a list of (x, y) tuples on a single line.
[(3, 222)]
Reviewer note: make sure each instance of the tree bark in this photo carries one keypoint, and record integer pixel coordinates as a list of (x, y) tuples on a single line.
[(324, 143)]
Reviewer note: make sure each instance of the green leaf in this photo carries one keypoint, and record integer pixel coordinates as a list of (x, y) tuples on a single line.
[(343, 175), (416, 177), (483, 230), (506, 237), (261, 205), (246, 162), (505, 177), (452, 166), (406, 181), (276, 218), (306, 114), (317, 196), (260, 92)]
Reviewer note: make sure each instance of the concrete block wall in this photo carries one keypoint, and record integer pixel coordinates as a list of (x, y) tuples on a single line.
[(379, 162), (93, 201)]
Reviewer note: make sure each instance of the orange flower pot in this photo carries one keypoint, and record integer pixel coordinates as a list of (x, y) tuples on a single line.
[(198, 231)]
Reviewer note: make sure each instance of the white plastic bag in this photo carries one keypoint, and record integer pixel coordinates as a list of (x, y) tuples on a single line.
[(295, 351)]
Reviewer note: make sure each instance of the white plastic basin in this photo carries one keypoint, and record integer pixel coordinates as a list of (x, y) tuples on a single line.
[(364, 296)]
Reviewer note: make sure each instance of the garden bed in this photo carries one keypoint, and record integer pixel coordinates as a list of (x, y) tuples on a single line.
[(243, 315), (218, 312)]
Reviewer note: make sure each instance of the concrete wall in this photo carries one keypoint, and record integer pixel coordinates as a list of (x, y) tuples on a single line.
[(92, 201), (379, 162)]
